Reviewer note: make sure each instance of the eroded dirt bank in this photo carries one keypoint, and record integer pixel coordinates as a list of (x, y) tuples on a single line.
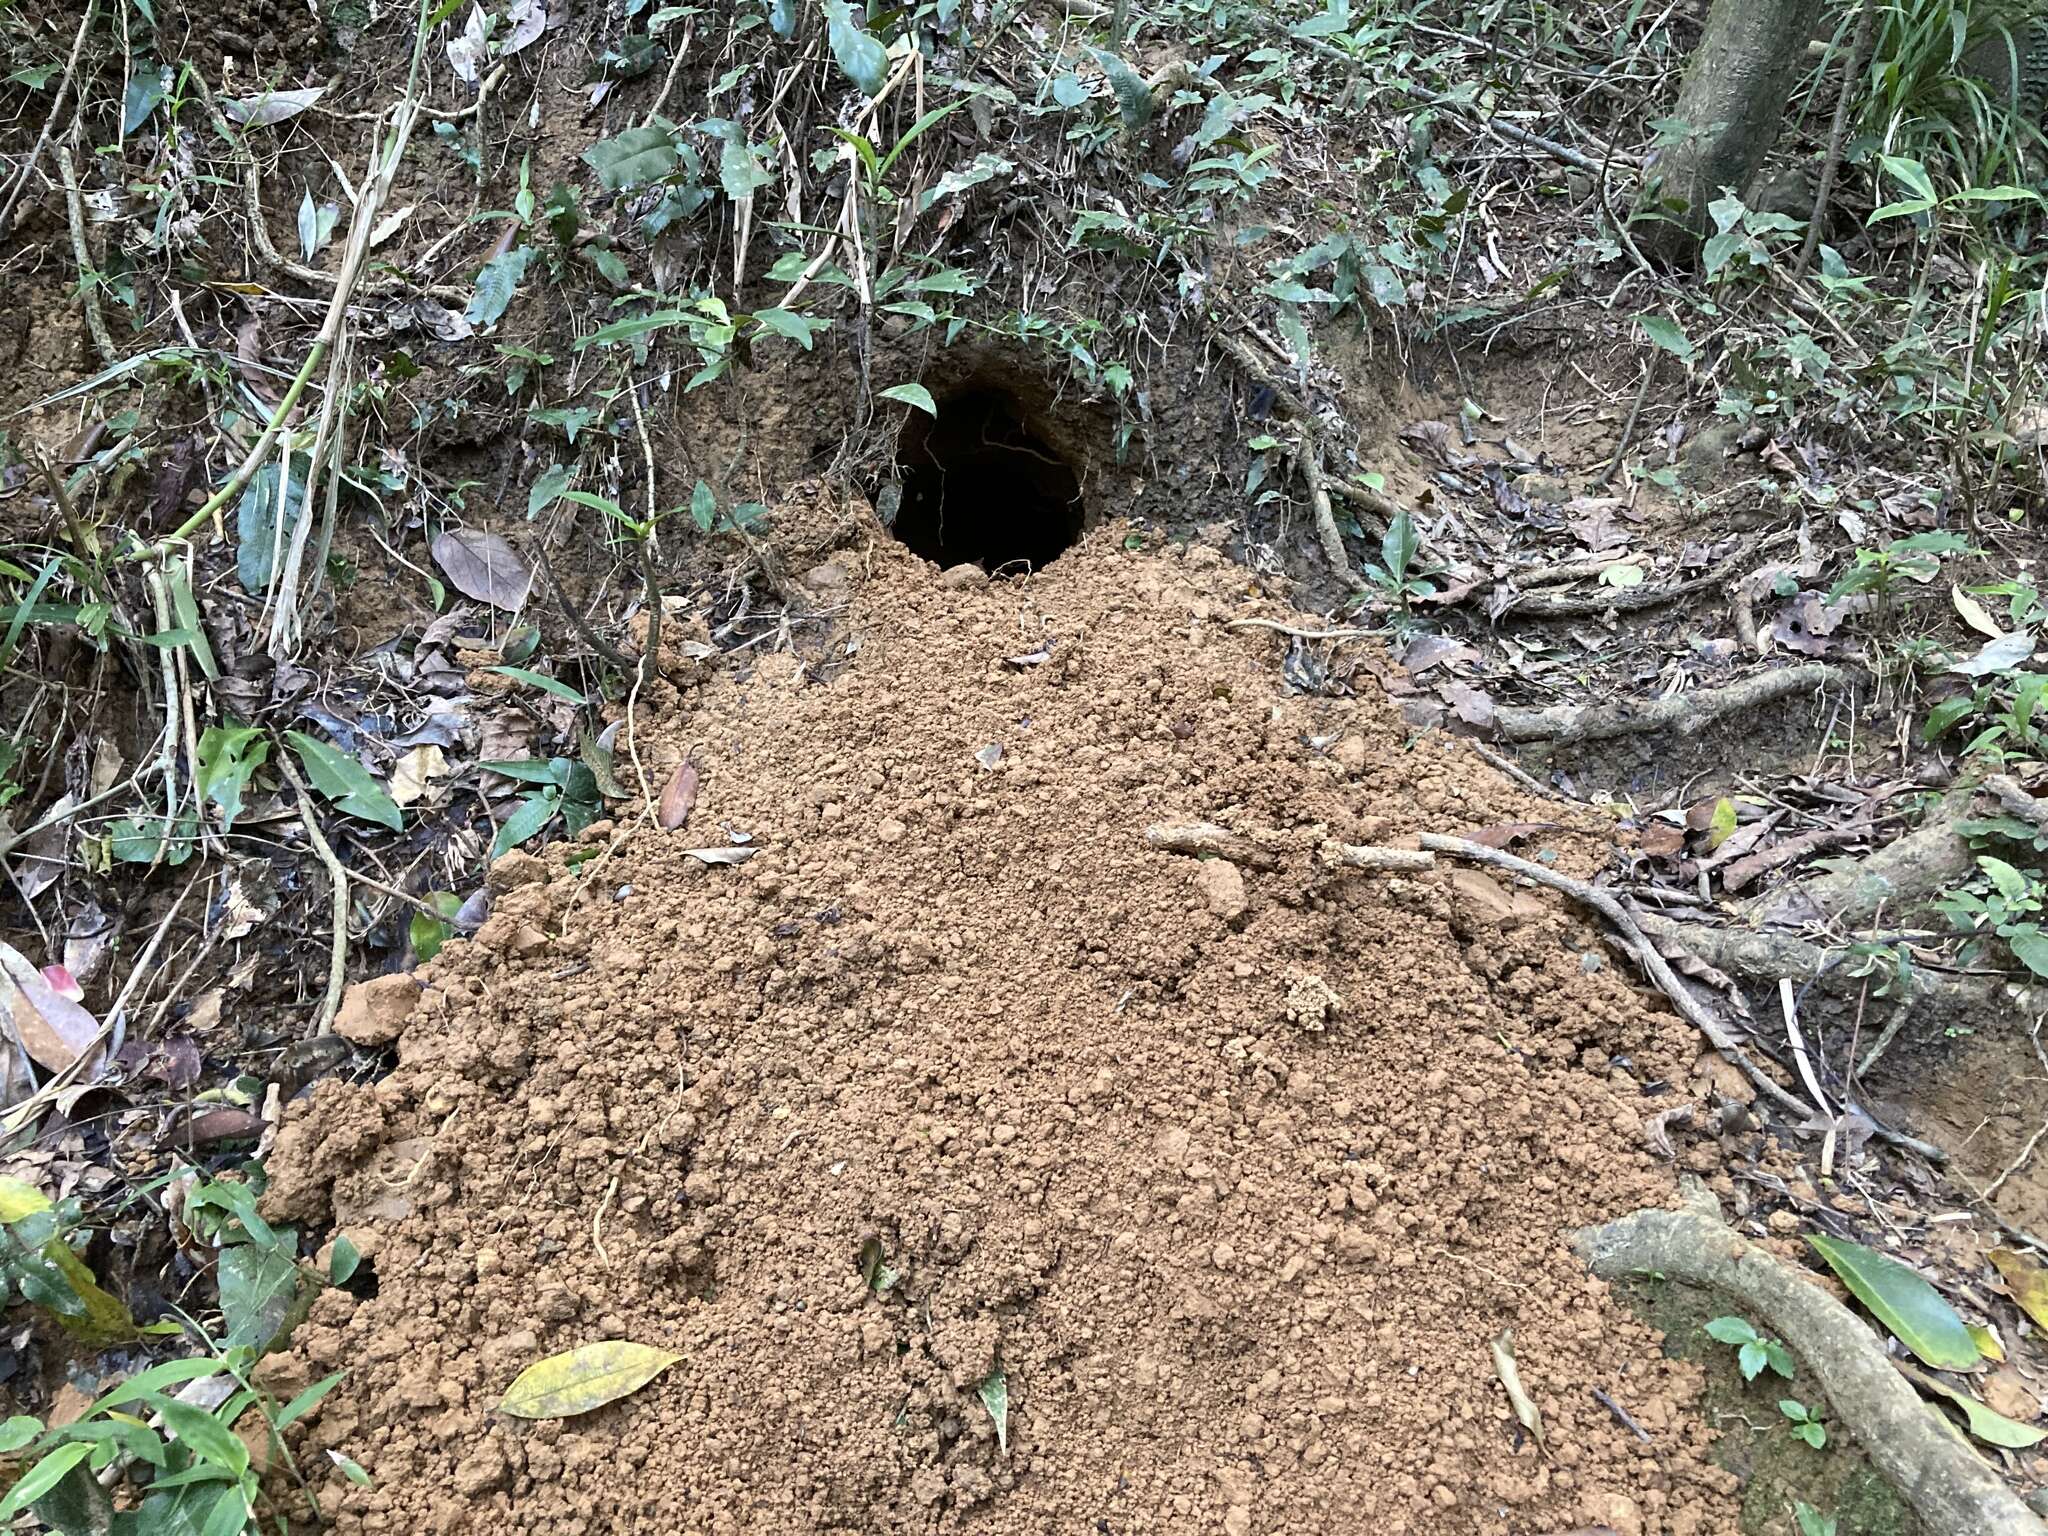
[(1234, 1172)]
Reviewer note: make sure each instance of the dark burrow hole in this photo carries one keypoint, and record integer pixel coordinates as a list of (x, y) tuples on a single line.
[(980, 487)]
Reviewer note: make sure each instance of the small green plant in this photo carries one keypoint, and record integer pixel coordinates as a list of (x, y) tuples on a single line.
[(1805, 1422), (2005, 903), (1879, 572), (1812, 1522), (1398, 574), (1754, 1352)]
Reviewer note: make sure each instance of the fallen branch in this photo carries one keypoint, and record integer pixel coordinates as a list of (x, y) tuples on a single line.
[(1634, 599), (1359, 856), (1207, 839), (1899, 877), (1950, 1487), (1684, 713), (88, 287)]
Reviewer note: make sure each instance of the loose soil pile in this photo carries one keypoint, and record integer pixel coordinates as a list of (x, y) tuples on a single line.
[(1235, 1172)]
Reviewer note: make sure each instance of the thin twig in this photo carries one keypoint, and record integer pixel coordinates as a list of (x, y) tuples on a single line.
[(1838, 134), (88, 287), (28, 164)]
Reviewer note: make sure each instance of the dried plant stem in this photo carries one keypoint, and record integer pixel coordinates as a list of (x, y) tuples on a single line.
[(28, 164), (88, 293), (337, 956)]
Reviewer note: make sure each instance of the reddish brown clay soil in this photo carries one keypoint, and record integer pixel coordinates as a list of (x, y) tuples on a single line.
[(1234, 1172)]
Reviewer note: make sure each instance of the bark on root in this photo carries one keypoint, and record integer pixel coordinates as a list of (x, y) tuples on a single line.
[(1686, 714), (1949, 1486)]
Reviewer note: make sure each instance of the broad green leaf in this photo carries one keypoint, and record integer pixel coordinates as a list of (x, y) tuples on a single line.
[(228, 759), (862, 58), (1622, 574), (913, 395), (703, 507), (259, 1291), (20, 1200), (496, 285), (17, 1432), (203, 1434), (1945, 716), (580, 1380), (1731, 1330), (554, 685), (552, 482), (1906, 1304), (42, 1477), (1133, 95), (634, 158), (787, 322), (1669, 334), (230, 1513), (346, 782), (1722, 826)]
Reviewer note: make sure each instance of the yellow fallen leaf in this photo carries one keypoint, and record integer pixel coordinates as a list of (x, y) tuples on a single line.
[(103, 1318), (582, 1379), (19, 1201), (2026, 1279), (1989, 1345), (412, 773)]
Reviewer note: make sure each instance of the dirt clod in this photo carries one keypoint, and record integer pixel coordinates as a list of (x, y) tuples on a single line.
[(373, 1013)]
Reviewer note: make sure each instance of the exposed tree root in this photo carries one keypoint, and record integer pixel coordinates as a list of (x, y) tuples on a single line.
[(1904, 874), (1685, 713), (1951, 1488)]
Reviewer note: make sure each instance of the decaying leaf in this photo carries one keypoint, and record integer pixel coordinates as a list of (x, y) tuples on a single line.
[(679, 798), (483, 566), (1511, 1378), (413, 772), (53, 1029), (720, 855), (2027, 1278), (580, 1380), (270, 107), (1904, 1302), (1986, 1338)]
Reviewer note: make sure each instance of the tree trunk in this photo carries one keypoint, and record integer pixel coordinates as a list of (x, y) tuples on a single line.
[(1731, 105)]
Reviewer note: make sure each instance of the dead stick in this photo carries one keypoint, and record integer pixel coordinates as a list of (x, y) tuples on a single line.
[(1859, 50), (337, 959)]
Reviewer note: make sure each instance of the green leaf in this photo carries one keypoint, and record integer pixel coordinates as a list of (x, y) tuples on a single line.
[(554, 685), (1669, 334), (496, 285), (1902, 1301), (345, 781), (203, 1434), (634, 158), (1946, 716), (2029, 946), (230, 1514), (579, 1380), (17, 1432), (860, 57), (534, 812), (632, 328), (913, 395), (1133, 95), (145, 94), (995, 1397), (549, 485), (428, 934), (1911, 172), (787, 322), (309, 1399), (703, 507), (1752, 1359), (1731, 1330), (350, 1469), (256, 520), (1991, 1427), (24, 608), (42, 1477), (343, 1259), (228, 759), (259, 1291)]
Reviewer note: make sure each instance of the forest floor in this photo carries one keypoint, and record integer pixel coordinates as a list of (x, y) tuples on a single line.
[(810, 750)]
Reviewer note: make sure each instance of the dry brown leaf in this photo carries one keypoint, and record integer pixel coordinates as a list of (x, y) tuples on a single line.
[(483, 566), (413, 772), (679, 798), (52, 1029)]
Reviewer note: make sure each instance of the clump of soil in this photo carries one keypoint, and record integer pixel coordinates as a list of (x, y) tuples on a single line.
[(1233, 1171)]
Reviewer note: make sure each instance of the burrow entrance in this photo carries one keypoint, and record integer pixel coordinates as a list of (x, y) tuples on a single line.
[(981, 487)]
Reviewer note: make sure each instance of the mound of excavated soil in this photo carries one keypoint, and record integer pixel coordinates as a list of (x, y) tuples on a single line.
[(1234, 1171)]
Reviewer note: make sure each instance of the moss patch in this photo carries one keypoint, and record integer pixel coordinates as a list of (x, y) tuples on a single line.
[(1778, 1471)]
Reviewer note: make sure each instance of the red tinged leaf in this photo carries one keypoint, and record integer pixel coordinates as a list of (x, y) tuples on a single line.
[(679, 799), (53, 1030)]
